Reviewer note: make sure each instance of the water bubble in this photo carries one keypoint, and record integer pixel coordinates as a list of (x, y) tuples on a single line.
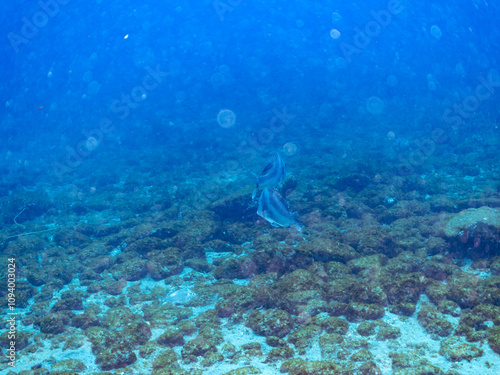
[(226, 118), (91, 144), (217, 79), (290, 149), (436, 32), (334, 33), (375, 105), (299, 23), (341, 62), (392, 81), (93, 88), (336, 17), (224, 69), (87, 76)]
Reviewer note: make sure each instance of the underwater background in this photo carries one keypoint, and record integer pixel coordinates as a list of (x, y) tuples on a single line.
[(133, 134)]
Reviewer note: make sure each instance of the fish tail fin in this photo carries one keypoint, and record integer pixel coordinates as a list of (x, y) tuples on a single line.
[(299, 224), (254, 194), (257, 185)]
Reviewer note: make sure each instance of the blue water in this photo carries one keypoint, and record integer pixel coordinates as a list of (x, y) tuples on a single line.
[(158, 112)]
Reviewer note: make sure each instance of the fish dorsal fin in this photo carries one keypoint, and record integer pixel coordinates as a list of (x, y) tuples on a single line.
[(274, 158), (267, 168)]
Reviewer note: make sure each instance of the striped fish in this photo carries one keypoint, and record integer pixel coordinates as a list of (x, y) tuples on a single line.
[(274, 209), (273, 174)]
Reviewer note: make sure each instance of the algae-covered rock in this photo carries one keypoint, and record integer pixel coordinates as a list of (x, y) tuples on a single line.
[(199, 346), (473, 220), (362, 355), (454, 351), (330, 344), (130, 270), (332, 324), (369, 368), (449, 307), (366, 328), (171, 337), (72, 365), (403, 308), (387, 332), (22, 339), (167, 358), (433, 321), (420, 370), (270, 323), (302, 337), (114, 357), (364, 311), (249, 370), (401, 360), (315, 367), (494, 339), (54, 323), (280, 354), (326, 250)]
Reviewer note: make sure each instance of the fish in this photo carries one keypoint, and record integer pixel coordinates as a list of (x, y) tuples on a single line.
[(181, 296), (272, 175), (274, 209)]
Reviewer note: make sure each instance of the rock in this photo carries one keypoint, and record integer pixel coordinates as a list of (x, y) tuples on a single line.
[(433, 321), (54, 323), (167, 358), (114, 357), (454, 351), (494, 339), (280, 354), (472, 219), (272, 322), (302, 337), (71, 365), (171, 337)]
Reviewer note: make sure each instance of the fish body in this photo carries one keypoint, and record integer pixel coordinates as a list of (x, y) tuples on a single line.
[(181, 296), (275, 210), (273, 174)]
